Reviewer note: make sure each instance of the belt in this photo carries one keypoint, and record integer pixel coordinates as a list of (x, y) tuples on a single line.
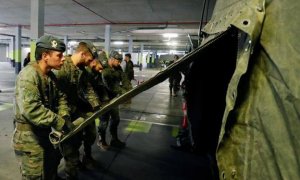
[(23, 127)]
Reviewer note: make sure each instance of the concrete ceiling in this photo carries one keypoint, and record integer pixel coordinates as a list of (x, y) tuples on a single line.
[(144, 20)]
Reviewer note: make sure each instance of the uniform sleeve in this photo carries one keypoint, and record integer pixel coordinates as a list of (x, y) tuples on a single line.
[(91, 96), (110, 84), (63, 108), (126, 84), (89, 93), (61, 77), (32, 109)]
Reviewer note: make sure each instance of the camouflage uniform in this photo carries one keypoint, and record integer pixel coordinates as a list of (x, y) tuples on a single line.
[(95, 78), (174, 81), (112, 78), (38, 107), (82, 99), (129, 68)]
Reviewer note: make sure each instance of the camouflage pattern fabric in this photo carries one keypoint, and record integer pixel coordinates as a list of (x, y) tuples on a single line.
[(112, 78), (174, 80), (113, 116), (129, 70), (38, 107), (74, 82), (260, 125), (95, 78)]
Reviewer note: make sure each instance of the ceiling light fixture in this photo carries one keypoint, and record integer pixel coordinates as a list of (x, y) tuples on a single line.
[(73, 43), (118, 42), (170, 35), (172, 43), (81, 32)]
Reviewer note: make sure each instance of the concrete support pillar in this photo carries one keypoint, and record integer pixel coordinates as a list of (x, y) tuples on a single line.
[(141, 52), (66, 43), (130, 45), (71, 50), (36, 23), (153, 57), (148, 57), (12, 51), (7, 52), (18, 50), (107, 38)]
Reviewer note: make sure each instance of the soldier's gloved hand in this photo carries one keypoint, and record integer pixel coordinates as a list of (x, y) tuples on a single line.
[(68, 126), (78, 121)]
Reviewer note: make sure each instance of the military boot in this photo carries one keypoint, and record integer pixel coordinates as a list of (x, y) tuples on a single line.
[(88, 161), (71, 175), (115, 142), (59, 178), (102, 142)]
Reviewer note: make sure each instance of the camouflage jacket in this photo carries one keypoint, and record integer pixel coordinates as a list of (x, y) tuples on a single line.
[(116, 81), (74, 82), (129, 70), (96, 81), (38, 101)]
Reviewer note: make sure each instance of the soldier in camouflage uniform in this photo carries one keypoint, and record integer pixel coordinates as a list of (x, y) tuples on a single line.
[(38, 107), (73, 80), (174, 79), (129, 67), (89, 133), (112, 77), (95, 78)]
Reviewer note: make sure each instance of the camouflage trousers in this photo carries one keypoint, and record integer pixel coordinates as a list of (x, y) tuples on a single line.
[(174, 83), (36, 156), (70, 152), (70, 148), (89, 137), (114, 117)]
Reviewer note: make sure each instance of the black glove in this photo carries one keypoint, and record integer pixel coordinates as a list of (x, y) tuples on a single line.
[(68, 126)]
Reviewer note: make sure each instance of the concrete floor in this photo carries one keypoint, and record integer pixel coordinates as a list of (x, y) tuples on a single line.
[(148, 125), (8, 167)]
